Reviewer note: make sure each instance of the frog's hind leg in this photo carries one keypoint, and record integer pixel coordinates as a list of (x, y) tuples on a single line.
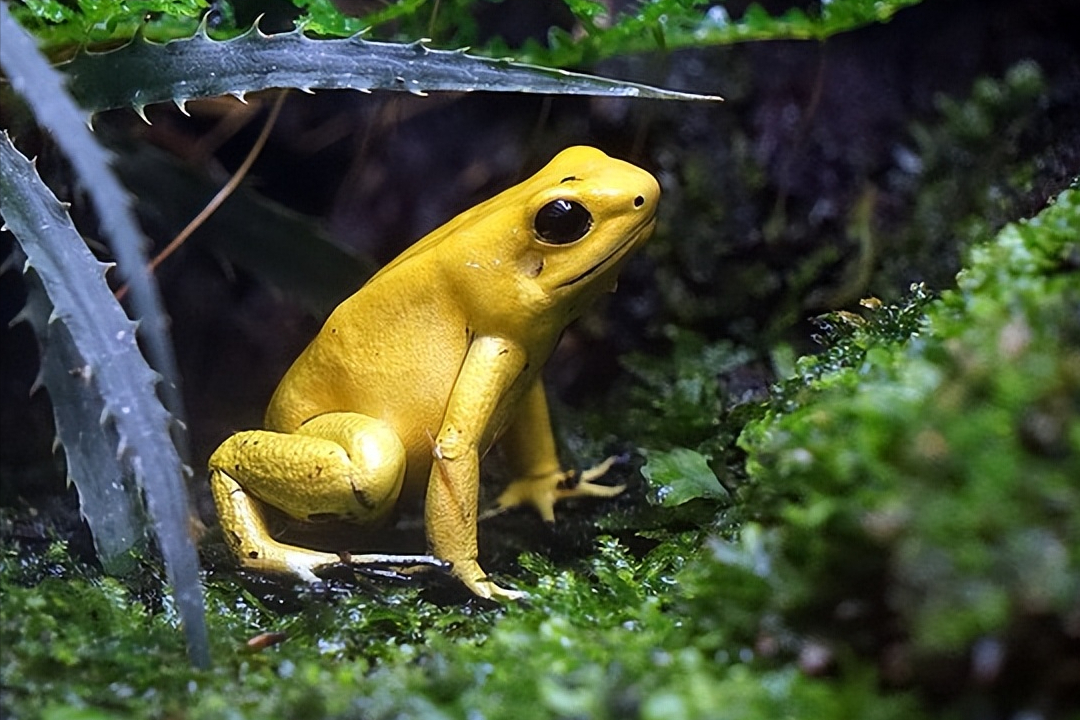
[(529, 446), (336, 466)]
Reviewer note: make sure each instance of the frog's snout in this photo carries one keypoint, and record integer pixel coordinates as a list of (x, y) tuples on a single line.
[(646, 199)]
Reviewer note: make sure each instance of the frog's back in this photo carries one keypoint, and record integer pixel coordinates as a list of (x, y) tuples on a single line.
[(390, 351)]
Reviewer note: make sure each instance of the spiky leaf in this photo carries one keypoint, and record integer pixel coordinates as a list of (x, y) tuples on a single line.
[(108, 360), (42, 87), (106, 498), (143, 72)]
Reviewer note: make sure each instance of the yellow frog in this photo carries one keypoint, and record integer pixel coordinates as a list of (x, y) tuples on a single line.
[(413, 378)]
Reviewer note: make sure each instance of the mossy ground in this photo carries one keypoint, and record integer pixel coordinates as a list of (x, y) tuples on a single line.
[(903, 540)]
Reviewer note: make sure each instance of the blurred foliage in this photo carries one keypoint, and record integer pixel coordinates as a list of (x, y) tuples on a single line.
[(958, 174), (678, 398), (597, 33), (966, 173), (925, 472), (594, 35)]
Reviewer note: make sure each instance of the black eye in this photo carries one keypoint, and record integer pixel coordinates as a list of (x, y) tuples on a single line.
[(562, 221)]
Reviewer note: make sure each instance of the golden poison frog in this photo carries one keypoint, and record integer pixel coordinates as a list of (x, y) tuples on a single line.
[(414, 378)]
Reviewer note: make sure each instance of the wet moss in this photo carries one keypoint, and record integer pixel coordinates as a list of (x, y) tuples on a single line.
[(903, 540)]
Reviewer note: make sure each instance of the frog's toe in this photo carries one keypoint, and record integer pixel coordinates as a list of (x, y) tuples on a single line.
[(582, 485), (591, 489), (473, 576), (307, 571), (544, 492), (538, 494), (490, 591), (601, 468), (500, 593)]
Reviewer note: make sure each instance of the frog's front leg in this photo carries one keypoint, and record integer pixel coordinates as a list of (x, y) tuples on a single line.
[(336, 466), (529, 447), (491, 367)]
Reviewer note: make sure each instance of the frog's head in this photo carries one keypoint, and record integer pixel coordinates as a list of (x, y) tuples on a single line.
[(587, 213), (543, 248)]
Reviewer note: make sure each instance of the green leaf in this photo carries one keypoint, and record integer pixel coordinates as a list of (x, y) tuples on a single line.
[(665, 25), (681, 475)]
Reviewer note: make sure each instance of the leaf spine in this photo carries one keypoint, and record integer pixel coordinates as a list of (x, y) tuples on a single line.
[(204, 26), (11, 261), (37, 384), (253, 30), (20, 317)]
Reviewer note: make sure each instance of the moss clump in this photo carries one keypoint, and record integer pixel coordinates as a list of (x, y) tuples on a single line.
[(922, 489)]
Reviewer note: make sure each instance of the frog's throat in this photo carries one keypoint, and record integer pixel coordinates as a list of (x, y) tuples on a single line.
[(618, 251)]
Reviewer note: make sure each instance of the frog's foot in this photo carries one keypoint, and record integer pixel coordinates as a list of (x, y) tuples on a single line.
[(488, 589), (255, 547), (542, 493), (279, 559), (481, 585), (397, 567)]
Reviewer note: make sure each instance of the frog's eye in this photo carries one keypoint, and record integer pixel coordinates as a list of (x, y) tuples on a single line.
[(561, 222)]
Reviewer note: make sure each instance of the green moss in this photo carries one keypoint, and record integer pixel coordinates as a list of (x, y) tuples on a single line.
[(608, 638), (945, 460)]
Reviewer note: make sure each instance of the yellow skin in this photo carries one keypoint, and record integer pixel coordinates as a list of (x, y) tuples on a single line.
[(413, 378)]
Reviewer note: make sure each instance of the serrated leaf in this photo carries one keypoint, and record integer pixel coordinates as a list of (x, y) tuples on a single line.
[(42, 87), (144, 72), (107, 356), (106, 499), (681, 475)]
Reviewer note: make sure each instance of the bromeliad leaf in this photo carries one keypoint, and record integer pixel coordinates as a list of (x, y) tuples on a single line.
[(118, 382), (103, 335), (144, 72), (106, 498)]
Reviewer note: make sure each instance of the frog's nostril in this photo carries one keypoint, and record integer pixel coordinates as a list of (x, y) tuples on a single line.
[(639, 201)]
